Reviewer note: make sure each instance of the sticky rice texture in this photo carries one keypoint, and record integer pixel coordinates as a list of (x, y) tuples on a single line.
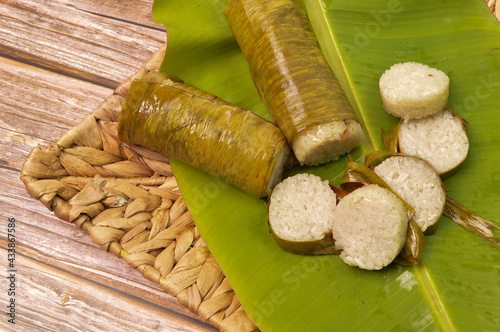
[(370, 227), (418, 183), (413, 90), (327, 142), (301, 208), (439, 139)]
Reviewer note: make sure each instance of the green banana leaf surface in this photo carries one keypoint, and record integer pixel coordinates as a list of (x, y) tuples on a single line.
[(456, 286)]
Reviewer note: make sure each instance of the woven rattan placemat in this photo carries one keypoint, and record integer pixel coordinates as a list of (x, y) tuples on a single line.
[(127, 199)]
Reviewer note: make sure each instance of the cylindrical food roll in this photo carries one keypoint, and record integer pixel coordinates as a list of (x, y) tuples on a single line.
[(167, 79), (194, 126), (294, 79)]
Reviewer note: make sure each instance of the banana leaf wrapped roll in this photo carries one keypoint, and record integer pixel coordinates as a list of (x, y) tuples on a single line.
[(191, 125), (294, 79), (164, 78)]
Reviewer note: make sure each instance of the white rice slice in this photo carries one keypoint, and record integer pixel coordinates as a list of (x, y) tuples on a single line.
[(370, 227), (413, 90), (301, 208), (418, 183), (439, 139), (326, 142)]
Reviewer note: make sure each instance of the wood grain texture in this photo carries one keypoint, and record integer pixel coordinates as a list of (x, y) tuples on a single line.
[(85, 41), (59, 60)]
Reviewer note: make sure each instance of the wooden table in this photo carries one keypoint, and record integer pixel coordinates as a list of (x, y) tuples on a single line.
[(58, 60)]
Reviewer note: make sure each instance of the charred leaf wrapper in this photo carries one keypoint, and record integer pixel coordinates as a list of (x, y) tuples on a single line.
[(185, 123), (293, 78)]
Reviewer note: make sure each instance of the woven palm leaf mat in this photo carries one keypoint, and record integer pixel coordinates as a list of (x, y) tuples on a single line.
[(126, 198)]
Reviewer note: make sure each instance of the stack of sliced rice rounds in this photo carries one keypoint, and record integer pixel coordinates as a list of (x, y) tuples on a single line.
[(431, 141), (368, 226), (417, 94)]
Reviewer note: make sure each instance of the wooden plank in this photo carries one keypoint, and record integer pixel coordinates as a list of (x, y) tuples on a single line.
[(123, 10), (38, 107), (79, 42), (49, 298), (51, 98), (59, 60)]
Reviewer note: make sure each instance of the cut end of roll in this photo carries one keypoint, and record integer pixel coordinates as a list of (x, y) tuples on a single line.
[(418, 183), (300, 210), (327, 142), (413, 90), (370, 227)]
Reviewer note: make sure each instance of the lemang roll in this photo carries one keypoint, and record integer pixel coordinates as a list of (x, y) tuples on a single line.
[(294, 79), (239, 147)]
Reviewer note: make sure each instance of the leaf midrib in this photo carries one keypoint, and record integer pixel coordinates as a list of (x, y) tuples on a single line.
[(432, 296), (331, 49), (332, 53)]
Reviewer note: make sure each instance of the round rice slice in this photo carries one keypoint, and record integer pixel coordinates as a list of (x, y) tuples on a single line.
[(413, 90), (327, 142), (300, 213), (370, 227), (418, 183), (439, 139)]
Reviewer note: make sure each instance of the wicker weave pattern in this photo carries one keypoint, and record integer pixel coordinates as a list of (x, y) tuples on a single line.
[(127, 199)]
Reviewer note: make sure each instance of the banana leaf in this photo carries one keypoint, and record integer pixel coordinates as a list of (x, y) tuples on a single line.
[(456, 285)]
